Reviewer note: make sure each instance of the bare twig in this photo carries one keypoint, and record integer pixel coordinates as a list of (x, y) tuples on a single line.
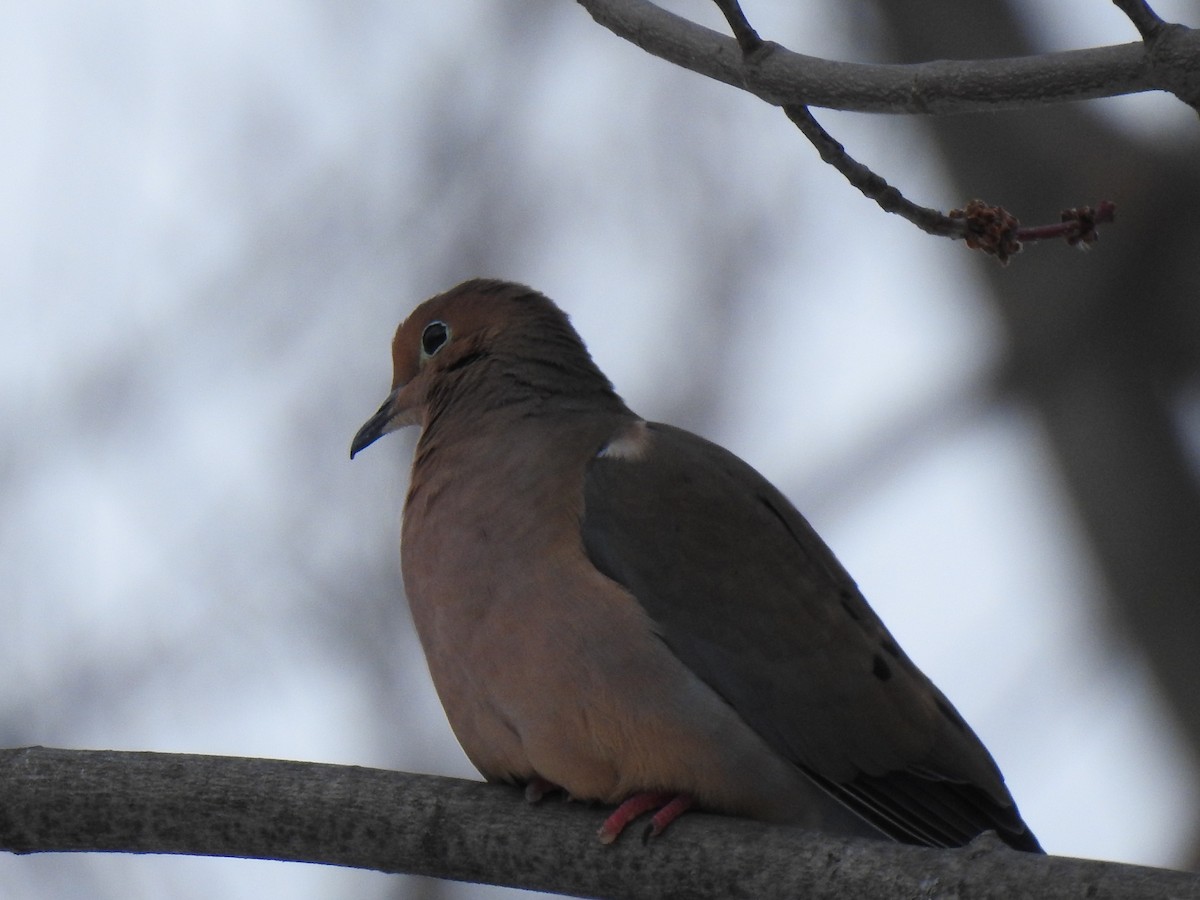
[(991, 229), (1078, 226), (746, 36), (996, 231), (1144, 19), (873, 186)]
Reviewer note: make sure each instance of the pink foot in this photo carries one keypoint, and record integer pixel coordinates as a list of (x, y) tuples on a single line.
[(668, 814), (670, 807)]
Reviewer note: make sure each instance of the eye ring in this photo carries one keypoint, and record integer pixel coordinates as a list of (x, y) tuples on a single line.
[(434, 337)]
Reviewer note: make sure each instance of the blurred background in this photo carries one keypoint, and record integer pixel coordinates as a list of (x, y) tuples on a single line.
[(212, 216)]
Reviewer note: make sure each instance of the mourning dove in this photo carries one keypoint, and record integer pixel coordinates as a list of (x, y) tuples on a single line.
[(623, 610)]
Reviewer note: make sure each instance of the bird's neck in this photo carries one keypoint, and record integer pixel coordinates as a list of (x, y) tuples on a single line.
[(499, 480), (518, 446)]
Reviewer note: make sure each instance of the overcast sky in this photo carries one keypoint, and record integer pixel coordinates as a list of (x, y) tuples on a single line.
[(213, 217)]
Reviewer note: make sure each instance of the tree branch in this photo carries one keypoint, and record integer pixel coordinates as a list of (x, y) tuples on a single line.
[(80, 800), (941, 87), (1144, 19), (982, 226), (874, 186), (743, 32)]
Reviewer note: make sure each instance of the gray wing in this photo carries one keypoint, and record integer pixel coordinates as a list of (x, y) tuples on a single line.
[(748, 596)]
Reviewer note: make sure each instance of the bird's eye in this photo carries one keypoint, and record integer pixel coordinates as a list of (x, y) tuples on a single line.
[(434, 336)]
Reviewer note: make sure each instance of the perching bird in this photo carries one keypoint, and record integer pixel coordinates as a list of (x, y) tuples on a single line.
[(625, 611)]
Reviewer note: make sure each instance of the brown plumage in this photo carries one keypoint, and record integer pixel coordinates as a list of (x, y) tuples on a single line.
[(632, 613)]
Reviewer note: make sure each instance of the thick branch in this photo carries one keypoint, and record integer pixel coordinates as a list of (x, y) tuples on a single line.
[(74, 800), (942, 87)]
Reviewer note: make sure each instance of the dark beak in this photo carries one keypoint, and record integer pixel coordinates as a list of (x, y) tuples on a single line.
[(376, 426)]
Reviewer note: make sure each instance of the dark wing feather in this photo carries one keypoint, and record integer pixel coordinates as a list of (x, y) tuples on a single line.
[(747, 595)]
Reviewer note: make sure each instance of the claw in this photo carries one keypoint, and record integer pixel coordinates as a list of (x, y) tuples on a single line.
[(669, 808)]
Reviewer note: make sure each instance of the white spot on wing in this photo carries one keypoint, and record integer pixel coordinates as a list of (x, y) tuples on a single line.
[(629, 443)]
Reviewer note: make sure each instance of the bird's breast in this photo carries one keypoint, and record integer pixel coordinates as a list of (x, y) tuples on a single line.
[(546, 667), (501, 593)]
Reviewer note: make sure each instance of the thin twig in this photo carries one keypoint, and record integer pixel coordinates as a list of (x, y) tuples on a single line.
[(1144, 19), (1078, 226), (999, 233), (874, 187), (746, 36), (992, 229)]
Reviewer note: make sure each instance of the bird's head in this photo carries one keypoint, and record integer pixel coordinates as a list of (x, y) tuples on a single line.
[(487, 341)]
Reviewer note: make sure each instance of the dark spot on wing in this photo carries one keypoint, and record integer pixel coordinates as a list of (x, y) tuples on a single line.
[(880, 668)]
